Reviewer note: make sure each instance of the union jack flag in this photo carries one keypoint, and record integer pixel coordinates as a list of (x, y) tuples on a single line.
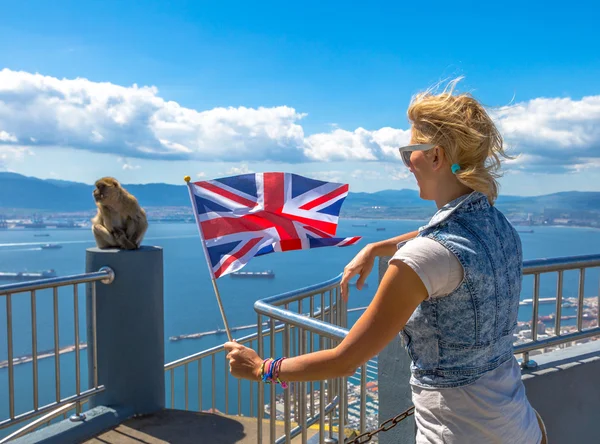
[(248, 215)]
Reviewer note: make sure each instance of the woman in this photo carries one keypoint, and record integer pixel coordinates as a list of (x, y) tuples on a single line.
[(451, 289)]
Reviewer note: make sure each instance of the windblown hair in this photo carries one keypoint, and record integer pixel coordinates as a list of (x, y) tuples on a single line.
[(461, 126)]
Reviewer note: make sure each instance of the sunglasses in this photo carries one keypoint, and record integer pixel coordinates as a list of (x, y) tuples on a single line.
[(407, 150)]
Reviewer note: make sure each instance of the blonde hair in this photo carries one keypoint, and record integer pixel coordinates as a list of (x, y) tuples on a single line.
[(461, 126)]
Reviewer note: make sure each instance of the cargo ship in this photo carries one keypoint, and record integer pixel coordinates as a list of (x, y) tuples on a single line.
[(263, 274), (27, 275)]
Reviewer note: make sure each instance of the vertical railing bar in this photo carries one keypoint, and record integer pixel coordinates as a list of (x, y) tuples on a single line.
[(330, 385), (34, 353), (226, 372), (343, 385), (302, 397), (199, 385), (77, 355), (214, 375), (598, 302), (239, 397), (580, 299), (9, 340), (186, 386), (311, 386), (363, 398), (322, 383), (260, 403), (273, 410), (559, 299), (251, 399), (240, 389), (296, 352), (286, 394), (172, 388), (342, 409), (95, 334), (56, 344), (536, 298)]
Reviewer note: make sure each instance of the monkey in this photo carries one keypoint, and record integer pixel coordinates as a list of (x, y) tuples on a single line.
[(120, 221)]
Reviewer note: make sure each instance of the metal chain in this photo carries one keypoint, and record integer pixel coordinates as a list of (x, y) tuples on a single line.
[(384, 427)]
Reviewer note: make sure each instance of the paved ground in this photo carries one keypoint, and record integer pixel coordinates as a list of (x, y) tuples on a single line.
[(185, 427)]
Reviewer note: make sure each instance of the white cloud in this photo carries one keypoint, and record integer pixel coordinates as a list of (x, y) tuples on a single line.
[(552, 132), (6, 137), (201, 174), (11, 153), (587, 164), (234, 171), (360, 144), (135, 122)]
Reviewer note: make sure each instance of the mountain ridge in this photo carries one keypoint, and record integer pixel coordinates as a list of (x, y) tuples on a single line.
[(28, 192)]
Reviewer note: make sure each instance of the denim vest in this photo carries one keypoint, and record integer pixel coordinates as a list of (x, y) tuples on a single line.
[(454, 339)]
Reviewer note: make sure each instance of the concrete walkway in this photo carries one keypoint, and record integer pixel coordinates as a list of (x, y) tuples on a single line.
[(185, 427)]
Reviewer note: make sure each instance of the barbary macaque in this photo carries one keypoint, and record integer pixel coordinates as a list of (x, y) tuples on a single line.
[(120, 221)]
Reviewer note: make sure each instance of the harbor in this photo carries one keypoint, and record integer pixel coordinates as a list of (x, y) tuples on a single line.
[(43, 355)]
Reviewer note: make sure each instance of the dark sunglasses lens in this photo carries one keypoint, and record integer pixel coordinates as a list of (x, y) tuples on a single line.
[(406, 158)]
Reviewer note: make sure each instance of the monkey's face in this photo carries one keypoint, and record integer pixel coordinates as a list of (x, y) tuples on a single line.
[(107, 191)]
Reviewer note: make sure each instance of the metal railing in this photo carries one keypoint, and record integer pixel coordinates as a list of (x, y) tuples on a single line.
[(558, 266), (298, 324), (312, 318), (9, 292)]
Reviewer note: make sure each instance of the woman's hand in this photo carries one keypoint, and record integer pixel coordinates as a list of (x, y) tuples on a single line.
[(362, 264), (243, 361)]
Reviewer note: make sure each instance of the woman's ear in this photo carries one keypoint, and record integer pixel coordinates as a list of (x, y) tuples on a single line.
[(438, 157)]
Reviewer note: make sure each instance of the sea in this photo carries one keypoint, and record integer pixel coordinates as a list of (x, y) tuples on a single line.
[(189, 301)]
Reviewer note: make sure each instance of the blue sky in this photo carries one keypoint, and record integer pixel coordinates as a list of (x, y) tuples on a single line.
[(320, 90)]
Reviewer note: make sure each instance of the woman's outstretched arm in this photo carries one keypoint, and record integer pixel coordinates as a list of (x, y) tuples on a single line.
[(363, 262), (400, 292)]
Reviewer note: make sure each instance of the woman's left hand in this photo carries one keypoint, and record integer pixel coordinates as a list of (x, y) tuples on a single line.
[(243, 361)]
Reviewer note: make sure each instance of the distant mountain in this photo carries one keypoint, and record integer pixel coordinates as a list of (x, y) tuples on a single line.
[(18, 191)]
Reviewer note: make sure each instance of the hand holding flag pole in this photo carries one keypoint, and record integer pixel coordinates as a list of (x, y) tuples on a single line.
[(248, 215)]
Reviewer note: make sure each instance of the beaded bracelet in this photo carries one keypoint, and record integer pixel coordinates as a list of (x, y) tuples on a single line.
[(269, 371)]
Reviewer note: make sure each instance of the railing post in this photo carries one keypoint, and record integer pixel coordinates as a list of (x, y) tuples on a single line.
[(395, 394), (130, 329)]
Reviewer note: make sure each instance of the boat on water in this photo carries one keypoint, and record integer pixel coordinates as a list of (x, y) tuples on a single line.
[(41, 235), (264, 274), (380, 228), (51, 246), (27, 275)]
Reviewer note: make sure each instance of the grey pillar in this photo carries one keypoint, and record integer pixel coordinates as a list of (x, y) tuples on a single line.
[(394, 389), (130, 327)]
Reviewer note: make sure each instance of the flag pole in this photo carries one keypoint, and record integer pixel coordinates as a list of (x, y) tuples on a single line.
[(212, 276)]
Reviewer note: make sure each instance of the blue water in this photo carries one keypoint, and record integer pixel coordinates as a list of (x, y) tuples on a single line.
[(190, 304)]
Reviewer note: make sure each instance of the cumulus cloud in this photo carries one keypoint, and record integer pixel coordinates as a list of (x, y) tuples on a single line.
[(360, 144), (552, 132), (135, 122)]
